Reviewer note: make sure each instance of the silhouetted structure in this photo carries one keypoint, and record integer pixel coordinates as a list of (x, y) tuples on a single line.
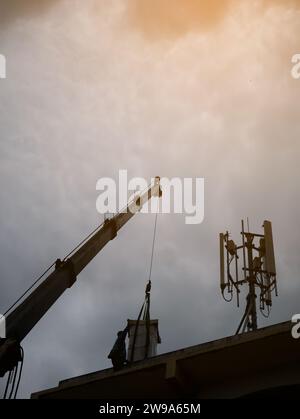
[(261, 363), (258, 272)]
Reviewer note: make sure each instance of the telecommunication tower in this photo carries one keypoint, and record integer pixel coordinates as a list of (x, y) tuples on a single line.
[(258, 271)]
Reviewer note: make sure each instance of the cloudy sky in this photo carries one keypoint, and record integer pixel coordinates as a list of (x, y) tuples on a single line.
[(163, 87)]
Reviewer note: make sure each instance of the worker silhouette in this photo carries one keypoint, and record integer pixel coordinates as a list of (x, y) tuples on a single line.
[(118, 352)]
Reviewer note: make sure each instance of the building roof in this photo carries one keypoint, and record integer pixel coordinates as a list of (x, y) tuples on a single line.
[(230, 367)]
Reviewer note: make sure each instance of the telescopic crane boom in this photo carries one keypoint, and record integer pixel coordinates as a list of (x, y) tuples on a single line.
[(27, 314)]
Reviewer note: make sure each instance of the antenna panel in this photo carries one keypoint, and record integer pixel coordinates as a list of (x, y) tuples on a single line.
[(222, 271), (269, 249)]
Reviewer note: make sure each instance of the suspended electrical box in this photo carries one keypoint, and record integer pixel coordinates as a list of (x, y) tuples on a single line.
[(143, 339)]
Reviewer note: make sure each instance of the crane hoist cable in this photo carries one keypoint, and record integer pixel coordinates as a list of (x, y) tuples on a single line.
[(145, 313), (145, 310)]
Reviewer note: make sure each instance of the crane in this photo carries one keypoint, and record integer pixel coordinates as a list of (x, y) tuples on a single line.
[(27, 314)]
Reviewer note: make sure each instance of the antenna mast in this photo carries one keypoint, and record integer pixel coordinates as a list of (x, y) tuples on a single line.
[(258, 272)]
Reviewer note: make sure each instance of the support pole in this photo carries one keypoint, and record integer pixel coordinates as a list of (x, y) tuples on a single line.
[(252, 325)]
